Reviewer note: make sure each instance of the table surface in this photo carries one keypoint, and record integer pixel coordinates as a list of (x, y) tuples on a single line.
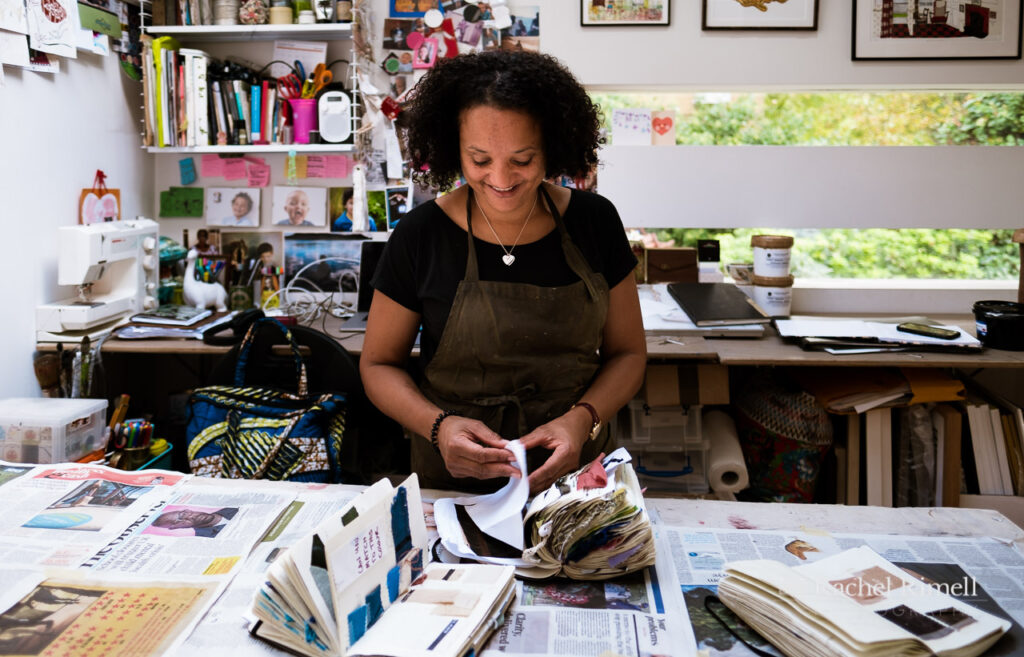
[(769, 350)]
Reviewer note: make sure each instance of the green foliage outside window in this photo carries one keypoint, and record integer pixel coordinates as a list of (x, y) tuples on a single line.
[(852, 119)]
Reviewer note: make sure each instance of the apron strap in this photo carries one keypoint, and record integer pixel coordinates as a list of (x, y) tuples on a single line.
[(573, 256), (472, 271)]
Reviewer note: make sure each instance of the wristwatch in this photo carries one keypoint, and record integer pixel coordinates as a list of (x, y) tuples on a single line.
[(595, 429)]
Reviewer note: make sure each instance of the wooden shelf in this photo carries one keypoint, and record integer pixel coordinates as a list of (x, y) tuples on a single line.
[(256, 148), (251, 32)]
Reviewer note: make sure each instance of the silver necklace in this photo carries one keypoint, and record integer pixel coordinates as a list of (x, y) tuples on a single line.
[(508, 258)]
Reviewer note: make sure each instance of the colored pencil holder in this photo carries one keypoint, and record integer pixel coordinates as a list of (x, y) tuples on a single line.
[(303, 118)]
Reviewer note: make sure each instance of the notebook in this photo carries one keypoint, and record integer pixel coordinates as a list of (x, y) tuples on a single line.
[(716, 304), (369, 256)]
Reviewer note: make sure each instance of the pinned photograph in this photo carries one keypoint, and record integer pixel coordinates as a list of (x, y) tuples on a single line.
[(524, 33), (233, 206), (322, 263), (340, 207), (300, 207), (425, 54), (398, 204), (412, 8)]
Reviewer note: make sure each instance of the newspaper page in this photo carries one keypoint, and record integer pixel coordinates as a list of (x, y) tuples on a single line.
[(629, 616), (11, 471), (65, 613), (201, 530), (224, 629), (984, 572), (60, 515)]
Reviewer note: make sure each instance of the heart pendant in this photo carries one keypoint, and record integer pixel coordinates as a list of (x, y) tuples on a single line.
[(508, 259)]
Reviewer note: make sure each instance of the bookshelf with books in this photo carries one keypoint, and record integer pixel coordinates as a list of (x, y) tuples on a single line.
[(203, 84)]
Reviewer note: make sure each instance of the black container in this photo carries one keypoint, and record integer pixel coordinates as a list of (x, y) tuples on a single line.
[(1000, 324)]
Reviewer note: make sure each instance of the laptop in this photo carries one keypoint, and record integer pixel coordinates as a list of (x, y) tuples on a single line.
[(369, 256)]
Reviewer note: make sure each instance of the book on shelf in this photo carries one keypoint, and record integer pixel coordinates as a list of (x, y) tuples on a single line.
[(854, 604), (716, 304), (360, 584), (946, 425), (172, 314)]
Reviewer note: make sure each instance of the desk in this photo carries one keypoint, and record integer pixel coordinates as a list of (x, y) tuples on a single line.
[(222, 629)]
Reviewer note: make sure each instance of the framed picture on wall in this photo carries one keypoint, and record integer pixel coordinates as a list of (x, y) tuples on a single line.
[(623, 12), (760, 15), (936, 29)]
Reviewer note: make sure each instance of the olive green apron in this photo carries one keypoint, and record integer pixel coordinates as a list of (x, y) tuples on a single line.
[(515, 356)]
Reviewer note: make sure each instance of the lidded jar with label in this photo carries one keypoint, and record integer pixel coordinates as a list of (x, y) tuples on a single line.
[(773, 294), (771, 255)]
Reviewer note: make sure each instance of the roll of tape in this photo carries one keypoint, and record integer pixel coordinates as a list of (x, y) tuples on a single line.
[(727, 471)]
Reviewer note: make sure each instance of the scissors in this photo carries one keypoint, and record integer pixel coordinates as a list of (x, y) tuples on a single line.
[(321, 78), (290, 86), (300, 70)]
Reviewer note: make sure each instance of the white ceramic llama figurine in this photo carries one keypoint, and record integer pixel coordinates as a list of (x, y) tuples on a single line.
[(200, 294)]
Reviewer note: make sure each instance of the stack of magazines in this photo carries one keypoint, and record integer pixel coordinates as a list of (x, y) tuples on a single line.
[(591, 524), (360, 585)]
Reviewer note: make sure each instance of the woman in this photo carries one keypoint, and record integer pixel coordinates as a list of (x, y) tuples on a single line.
[(531, 325)]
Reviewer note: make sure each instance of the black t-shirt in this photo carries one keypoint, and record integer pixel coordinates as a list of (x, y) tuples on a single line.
[(425, 259)]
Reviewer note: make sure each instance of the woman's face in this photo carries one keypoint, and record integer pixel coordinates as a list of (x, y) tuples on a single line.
[(502, 159), (239, 207), (297, 208)]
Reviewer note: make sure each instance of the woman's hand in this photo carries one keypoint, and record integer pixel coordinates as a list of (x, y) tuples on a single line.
[(470, 449), (565, 437)]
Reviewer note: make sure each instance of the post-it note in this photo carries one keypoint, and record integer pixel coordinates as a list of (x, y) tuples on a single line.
[(181, 202), (211, 166), (316, 166), (234, 169), (259, 175), (187, 167), (338, 166)]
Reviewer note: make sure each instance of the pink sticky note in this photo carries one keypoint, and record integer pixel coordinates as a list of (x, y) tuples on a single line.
[(259, 175), (338, 166), (234, 168), (252, 159), (211, 165), (316, 166)]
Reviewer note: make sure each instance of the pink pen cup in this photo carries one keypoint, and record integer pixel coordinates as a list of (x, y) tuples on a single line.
[(303, 118)]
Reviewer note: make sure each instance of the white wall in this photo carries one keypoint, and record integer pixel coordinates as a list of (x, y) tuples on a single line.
[(55, 131), (681, 56)]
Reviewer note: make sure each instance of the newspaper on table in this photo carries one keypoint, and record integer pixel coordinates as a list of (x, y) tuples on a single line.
[(854, 604), (591, 523), (982, 572), (66, 612)]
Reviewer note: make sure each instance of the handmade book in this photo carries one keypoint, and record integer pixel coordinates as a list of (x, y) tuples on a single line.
[(716, 304), (360, 584), (173, 315), (591, 524), (854, 604)]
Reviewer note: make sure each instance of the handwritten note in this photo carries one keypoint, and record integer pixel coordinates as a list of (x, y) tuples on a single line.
[(259, 175), (181, 202), (316, 166), (211, 166), (339, 166), (234, 169), (631, 127), (187, 167)]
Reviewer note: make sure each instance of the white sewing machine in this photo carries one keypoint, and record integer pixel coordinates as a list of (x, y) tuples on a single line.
[(115, 267)]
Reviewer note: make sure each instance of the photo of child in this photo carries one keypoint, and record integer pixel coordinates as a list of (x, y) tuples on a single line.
[(232, 206)]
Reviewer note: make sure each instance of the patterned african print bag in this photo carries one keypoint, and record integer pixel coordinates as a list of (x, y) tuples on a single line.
[(247, 432)]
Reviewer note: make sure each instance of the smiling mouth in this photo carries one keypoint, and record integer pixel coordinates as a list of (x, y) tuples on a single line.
[(503, 189)]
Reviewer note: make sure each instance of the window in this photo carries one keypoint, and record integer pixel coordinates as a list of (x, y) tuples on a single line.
[(972, 250)]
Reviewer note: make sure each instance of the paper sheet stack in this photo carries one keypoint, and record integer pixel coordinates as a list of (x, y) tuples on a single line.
[(591, 524)]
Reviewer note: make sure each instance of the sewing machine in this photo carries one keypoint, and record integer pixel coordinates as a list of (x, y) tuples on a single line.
[(115, 267)]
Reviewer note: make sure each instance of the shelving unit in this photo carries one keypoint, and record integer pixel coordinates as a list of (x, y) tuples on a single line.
[(204, 35)]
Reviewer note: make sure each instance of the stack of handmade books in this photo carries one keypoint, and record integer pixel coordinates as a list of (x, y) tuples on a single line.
[(360, 585), (855, 604)]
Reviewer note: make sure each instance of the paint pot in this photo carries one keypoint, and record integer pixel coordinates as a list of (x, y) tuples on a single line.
[(1000, 324), (774, 294), (771, 255), (280, 15)]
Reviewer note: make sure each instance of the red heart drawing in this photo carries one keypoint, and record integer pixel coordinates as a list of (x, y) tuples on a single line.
[(661, 125)]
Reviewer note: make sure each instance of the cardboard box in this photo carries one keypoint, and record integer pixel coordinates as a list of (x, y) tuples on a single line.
[(686, 385), (43, 430)]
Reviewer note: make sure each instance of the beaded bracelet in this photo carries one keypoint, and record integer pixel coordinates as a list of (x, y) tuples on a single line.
[(437, 427)]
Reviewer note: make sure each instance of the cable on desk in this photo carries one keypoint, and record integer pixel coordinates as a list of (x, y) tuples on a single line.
[(304, 307)]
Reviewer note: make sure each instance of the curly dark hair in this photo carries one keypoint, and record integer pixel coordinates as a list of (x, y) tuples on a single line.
[(536, 84)]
